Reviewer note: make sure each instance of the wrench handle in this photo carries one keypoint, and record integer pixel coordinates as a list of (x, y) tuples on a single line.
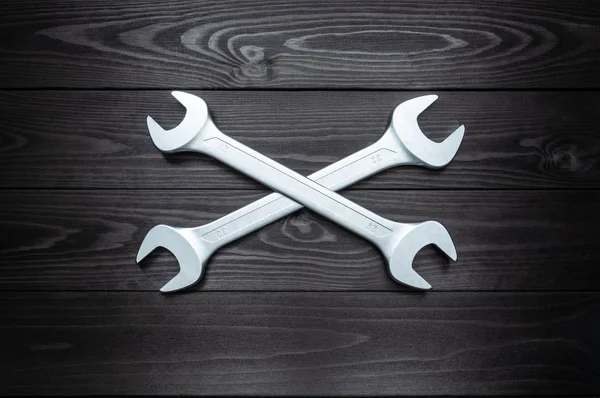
[(339, 175), (314, 196)]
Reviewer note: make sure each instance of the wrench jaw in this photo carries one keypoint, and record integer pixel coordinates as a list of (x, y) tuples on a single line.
[(409, 244), (177, 139), (189, 252), (431, 154)]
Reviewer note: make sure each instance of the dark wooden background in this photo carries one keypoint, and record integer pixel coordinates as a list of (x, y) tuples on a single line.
[(301, 306)]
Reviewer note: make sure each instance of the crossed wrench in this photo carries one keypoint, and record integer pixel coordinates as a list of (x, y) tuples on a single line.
[(403, 143)]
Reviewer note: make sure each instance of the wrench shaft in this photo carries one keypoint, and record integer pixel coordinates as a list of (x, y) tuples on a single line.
[(339, 175), (312, 195)]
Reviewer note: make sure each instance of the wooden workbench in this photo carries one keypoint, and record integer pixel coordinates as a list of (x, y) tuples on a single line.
[(302, 306)]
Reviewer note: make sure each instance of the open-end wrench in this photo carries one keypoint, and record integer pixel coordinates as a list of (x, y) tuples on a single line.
[(402, 143)]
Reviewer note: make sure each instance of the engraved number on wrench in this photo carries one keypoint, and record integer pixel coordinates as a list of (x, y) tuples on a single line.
[(376, 158), (371, 227)]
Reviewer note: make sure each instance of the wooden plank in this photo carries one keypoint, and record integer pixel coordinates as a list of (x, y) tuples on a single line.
[(80, 139), (300, 343), (506, 240), (306, 43)]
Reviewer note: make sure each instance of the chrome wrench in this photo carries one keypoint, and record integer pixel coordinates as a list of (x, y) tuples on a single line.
[(402, 143)]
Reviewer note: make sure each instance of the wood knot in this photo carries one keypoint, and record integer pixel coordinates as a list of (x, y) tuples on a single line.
[(302, 227), (255, 65), (253, 54), (565, 158), (565, 154)]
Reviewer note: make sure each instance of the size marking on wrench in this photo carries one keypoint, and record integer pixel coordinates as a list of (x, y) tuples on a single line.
[(244, 221), (370, 163), (409, 145)]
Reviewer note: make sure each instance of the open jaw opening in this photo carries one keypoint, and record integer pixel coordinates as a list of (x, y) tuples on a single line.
[(431, 153), (195, 117), (424, 234), (189, 254)]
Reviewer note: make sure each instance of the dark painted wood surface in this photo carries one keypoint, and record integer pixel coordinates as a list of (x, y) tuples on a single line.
[(99, 139), (300, 343), (308, 43), (302, 306), (506, 240)]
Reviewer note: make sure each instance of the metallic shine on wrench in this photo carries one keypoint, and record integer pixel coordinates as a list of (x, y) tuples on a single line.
[(402, 143)]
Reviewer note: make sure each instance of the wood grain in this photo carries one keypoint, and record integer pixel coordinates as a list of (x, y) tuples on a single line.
[(90, 139), (308, 43), (302, 306), (506, 240), (303, 343)]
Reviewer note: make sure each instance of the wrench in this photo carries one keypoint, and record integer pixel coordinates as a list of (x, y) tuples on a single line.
[(402, 143)]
